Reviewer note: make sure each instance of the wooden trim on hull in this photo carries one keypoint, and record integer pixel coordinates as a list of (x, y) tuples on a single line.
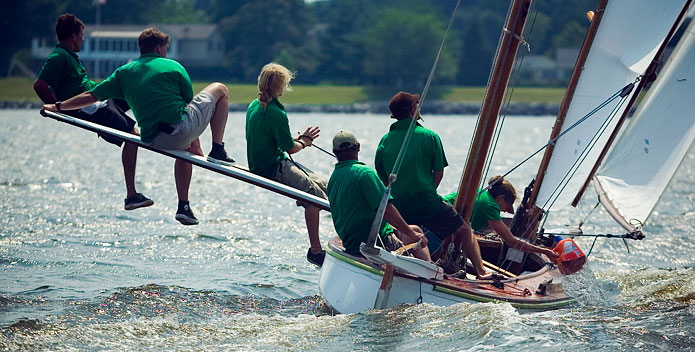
[(471, 290)]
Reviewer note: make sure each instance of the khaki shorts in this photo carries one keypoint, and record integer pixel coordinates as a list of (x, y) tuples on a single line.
[(391, 242), (289, 174), (195, 121)]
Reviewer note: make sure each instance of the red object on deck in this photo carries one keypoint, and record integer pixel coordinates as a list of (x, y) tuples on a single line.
[(572, 259)]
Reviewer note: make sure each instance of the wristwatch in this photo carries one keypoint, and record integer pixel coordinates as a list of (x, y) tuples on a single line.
[(57, 104)]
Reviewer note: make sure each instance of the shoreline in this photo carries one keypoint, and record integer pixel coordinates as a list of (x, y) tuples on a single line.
[(430, 108)]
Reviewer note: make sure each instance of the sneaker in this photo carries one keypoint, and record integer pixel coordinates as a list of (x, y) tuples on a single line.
[(315, 258), (185, 216), (137, 200), (219, 156)]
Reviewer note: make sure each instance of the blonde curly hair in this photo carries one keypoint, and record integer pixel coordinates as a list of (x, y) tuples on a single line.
[(273, 77)]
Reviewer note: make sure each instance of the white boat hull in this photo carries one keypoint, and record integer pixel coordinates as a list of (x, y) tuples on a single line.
[(349, 285)]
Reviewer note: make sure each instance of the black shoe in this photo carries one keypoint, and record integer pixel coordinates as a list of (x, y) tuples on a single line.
[(315, 258), (219, 156), (185, 215), (138, 200)]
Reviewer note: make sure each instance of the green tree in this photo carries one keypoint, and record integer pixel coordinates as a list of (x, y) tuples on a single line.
[(261, 30), (401, 47)]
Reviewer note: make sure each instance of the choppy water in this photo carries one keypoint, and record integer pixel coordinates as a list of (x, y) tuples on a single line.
[(81, 273)]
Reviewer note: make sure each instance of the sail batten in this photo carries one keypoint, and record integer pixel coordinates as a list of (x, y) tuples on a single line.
[(629, 37), (649, 151)]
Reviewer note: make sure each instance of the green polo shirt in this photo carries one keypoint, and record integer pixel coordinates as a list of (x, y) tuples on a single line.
[(156, 88), (354, 192), (268, 137), (414, 192), (484, 208), (65, 74)]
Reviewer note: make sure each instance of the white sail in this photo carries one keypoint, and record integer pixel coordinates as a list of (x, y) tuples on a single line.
[(628, 38), (641, 164)]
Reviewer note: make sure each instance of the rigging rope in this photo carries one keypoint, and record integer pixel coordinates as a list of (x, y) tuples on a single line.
[(376, 224)]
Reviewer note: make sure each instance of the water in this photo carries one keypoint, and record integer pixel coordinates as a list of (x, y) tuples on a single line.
[(81, 273)]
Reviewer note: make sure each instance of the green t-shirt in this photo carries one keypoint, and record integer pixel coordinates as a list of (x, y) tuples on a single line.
[(268, 137), (65, 74), (156, 88), (354, 192), (414, 192), (484, 208)]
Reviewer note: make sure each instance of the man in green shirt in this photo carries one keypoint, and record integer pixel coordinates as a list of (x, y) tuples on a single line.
[(415, 190), (63, 76), (355, 192), (160, 93)]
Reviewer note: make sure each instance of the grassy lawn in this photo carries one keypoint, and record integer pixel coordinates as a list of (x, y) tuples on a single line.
[(21, 89)]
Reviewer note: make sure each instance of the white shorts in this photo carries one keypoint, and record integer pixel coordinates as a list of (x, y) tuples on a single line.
[(195, 121)]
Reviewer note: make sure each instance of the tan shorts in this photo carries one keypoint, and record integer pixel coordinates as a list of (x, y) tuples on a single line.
[(289, 174), (195, 121), (391, 242)]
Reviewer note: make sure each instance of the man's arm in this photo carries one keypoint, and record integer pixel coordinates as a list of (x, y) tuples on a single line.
[(43, 90), (394, 218), (438, 175), (305, 140), (512, 241), (79, 101)]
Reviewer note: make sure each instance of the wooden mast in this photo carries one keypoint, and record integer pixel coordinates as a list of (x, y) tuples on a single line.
[(532, 212), (499, 77), (651, 70)]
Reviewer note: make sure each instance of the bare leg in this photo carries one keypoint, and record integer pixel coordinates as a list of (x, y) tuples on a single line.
[(129, 157), (423, 252), (219, 118), (311, 216), (195, 148), (182, 173)]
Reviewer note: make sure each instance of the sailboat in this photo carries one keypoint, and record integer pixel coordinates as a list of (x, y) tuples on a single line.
[(623, 45)]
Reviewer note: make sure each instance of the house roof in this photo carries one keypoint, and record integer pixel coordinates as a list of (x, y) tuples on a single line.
[(178, 31)]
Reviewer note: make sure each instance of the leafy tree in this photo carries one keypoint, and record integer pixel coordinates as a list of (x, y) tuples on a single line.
[(259, 32), (340, 29), (571, 35), (401, 47)]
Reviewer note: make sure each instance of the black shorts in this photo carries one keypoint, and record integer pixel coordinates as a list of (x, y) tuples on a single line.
[(112, 115), (446, 222)]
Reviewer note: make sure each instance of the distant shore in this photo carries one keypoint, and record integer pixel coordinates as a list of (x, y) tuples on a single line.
[(431, 108)]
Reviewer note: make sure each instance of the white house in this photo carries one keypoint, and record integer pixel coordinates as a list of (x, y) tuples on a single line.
[(107, 47)]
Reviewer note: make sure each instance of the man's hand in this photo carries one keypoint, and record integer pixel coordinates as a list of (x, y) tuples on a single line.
[(552, 255), (414, 234), (309, 135), (49, 107)]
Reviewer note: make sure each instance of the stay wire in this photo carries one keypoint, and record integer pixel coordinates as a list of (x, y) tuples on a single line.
[(376, 224), (582, 157), (508, 98), (509, 95), (554, 140)]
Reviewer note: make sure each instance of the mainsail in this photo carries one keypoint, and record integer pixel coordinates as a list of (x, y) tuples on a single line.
[(641, 164), (627, 40)]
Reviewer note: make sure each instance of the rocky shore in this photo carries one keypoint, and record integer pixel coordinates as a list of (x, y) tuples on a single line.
[(430, 108)]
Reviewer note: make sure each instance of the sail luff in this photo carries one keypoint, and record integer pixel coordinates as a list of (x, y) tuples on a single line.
[(643, 82), (499, 77), (628, 39), (567, 99), (658, 137)]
